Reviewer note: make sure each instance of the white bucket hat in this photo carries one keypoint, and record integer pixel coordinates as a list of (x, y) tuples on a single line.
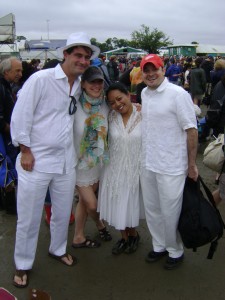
[(79, 39)]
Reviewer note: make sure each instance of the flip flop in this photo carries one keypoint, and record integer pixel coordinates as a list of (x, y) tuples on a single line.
[(88, 243), (20, 274), (60, 258)]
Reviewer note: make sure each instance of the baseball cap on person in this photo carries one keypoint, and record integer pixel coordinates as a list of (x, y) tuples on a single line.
[(92, 73), (153, 59), (79, 39)]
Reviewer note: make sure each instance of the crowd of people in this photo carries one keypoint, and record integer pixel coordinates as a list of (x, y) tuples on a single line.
[(75, 124)]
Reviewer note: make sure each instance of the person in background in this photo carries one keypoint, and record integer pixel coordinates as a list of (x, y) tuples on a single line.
[(187, 77), (218, 72), (207, 65), (135, 79), (113, 69), (169, 149), (42, 125), (90, 133), (197, 82), (173, 72), (10, 73), (119, 192)]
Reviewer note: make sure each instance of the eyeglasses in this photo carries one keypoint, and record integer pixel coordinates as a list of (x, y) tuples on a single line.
[(72, 107)]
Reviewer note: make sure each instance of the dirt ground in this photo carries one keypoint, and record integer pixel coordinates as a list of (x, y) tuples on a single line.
[(100, 275)]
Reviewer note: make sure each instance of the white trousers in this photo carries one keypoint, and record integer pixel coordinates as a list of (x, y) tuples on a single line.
[(32, 189), (163, 195)]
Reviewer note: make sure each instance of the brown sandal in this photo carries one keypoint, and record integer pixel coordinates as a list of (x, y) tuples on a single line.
[(60, 258), (20, 274)]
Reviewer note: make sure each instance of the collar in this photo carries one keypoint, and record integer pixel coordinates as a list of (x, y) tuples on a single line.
[(59, 73), (162, 86)]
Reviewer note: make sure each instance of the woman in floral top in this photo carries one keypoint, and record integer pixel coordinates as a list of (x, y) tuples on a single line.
[(90, 132)]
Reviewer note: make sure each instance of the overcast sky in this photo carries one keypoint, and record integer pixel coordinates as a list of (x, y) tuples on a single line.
[(183, 21)]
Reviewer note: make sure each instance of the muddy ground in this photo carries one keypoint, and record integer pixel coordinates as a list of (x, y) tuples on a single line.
[(101, 276)]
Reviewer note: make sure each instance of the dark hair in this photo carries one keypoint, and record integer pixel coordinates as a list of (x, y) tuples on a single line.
[(198, 61), (70, 50), (117, 86)]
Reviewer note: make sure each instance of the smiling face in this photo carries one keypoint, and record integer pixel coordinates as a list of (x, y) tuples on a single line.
[(77, 61), (153, 77), (120, 102), (93, 89)]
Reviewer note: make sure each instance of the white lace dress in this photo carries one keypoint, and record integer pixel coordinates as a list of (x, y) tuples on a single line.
[(119, 192)]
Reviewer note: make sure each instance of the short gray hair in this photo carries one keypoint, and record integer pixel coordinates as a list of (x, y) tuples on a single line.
[(6, 64)]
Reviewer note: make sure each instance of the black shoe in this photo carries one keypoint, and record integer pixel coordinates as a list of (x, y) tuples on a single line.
[(173, 263), (155, 256), (120, 247), (133, 242)]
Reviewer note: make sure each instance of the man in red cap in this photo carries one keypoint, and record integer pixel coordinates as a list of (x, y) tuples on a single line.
[(169, 142)]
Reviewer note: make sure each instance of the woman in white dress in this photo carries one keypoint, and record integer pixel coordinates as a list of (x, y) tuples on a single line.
[(90, 132), (119, 194)]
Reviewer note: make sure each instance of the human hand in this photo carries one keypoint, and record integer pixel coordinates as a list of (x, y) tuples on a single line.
[(138, 106), (193, 172), (27, 161)]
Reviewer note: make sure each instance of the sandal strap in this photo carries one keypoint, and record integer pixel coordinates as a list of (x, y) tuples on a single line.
[(105, 234), (20, 273)]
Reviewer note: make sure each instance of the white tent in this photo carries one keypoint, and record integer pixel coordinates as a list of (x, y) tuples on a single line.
[(7, 29), (8, 44)]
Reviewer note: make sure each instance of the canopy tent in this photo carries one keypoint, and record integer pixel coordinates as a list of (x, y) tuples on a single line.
[(8, 45), (124, 51), (7, 29)]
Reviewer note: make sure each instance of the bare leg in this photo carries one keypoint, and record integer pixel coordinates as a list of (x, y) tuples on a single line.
[(87, 205), (131, 232), (80, 221), (216, 196), (124, 234)]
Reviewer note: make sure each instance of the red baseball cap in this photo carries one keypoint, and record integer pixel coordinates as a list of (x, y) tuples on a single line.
[(153, 59)]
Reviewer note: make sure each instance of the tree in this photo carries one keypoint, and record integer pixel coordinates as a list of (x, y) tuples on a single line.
[(119, 43), (20, 37), (109, 44), (148, 40), (194, 43)]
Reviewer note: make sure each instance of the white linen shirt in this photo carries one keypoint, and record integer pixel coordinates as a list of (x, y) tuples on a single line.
[(166, 113), (41, 120)]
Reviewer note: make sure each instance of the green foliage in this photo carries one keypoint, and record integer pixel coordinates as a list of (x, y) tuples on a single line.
[(20, 37), (148, 40), (143, 39)]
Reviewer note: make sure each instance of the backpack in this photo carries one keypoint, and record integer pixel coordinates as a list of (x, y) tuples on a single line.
[(215, 115), (8, 173), (200, 221)]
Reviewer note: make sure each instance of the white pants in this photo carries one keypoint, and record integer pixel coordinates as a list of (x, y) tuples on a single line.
[(32, 189), (163, 195)]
